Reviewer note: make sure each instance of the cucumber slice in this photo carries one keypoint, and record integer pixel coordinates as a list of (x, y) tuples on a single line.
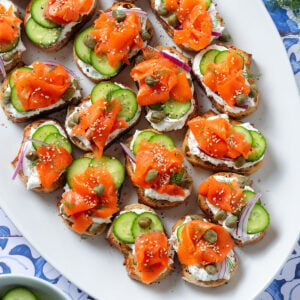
[(81, 50), (11, 81), (156, 224), (101, 64), (113, 165), (175, 109), (101, 90), (128, 101), (179, 230), (78, 166), (19, 293), (259, 145), (163, 140), (57, 140), (41, 35), (221, 57), (144, 135), (5, 47), (244, 132), (42, 133), (259, 219), (208, 57), (122, 227), (15, 101), (248, 195), (37, 11), (156, 106)]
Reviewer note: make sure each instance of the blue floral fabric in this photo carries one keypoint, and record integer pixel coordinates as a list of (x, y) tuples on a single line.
[(17, 256)]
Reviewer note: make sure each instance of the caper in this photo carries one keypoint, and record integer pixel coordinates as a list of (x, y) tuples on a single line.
[(31, 155), (157, 116), (145, 35), (240, 161), (220, 215), (150, 80), (173, 20), (119, 15), (144, 222), (8, 56), (94, 228), (151, 175), (241, 99), (99, 189), (231, 222), (6, 97), (243, 181), (197, 217), (186, 181), (210, 236), (139, 59), (74, 120), (69, 93), (89, 41), (225, 37), (253, 91), (211, 269), (162, 10)]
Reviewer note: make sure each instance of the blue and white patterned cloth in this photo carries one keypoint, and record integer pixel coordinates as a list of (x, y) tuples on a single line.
[(17, 256)]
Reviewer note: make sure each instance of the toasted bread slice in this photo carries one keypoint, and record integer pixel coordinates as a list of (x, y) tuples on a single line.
[(61, 180), (187, 276), (129, 261), (149, 27), (224, 107), (60, 44), (158, 204), (24, 116), (198, 162), (205, 208), (79, 143), (187, 61)]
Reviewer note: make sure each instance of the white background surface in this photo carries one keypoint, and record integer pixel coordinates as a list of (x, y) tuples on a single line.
[(96, 267)]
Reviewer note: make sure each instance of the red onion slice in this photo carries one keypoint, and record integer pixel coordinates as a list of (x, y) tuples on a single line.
[(214, 33), (242, 227), (37, 141), (223, 269), (2, 67), (173, 59), (128, 152), (53, 63), (20, 161), (224, 158)]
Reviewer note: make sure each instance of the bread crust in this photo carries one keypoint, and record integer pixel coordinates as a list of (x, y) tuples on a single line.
[(189, 277), (14, 119), (61, 180), (221, 107), (187, 61), (63, 42), (129, 259), (197, 162), (205, 208), (78, 143), (157, 204), (149, 26)]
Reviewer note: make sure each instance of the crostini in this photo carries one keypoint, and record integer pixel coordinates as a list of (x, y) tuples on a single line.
[(165, 87), (50, 24), (11, 46), (193, 25), (44, 155), (139, 234), (108, 112), (205, 251), (38, 89), (230, 200), (155, 167), (100, 51), (224, 73), (91, 194), (217, 143)]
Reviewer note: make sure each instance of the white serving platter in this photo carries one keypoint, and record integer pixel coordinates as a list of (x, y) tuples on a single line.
[(97, 268)]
